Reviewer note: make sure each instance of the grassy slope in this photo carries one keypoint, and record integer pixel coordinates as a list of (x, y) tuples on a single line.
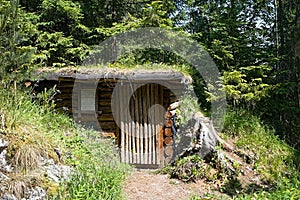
[(277, 163), (35, 131)]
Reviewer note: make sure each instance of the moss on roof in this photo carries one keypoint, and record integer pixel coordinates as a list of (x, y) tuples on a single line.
[(140, 72)]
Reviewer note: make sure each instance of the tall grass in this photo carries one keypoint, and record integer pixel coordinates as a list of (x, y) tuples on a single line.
[(35, 130), (32, 127), (98, 172)]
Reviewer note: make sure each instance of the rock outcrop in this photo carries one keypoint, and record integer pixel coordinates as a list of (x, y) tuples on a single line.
[(55, 172)]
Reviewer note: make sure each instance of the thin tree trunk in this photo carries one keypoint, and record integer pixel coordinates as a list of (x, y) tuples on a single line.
[(15, 81), (13, 48), (276, 30), (280, 26)]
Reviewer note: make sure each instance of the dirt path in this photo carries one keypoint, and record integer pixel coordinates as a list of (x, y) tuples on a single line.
[(146, 185), (149, 186)]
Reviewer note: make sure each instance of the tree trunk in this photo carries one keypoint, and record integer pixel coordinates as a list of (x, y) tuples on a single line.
[(15, 81), (281, 26)]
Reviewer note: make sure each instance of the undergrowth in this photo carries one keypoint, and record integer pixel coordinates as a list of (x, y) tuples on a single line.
[(34, 130)]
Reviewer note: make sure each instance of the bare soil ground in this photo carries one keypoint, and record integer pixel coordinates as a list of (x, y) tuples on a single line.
[(144, 184), (148, 185)]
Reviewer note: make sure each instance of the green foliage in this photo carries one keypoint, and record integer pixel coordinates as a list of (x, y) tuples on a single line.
[(192, 168), (61, 33), (156, 14), (60, 51), (244, 38), (150, 14), (189, 169), (16, 31), (26, 123), (277, 163), (59, 16), (231, 187), (285, 119), (187, 107), (109, 12), (246, 86), (46, 98), (33, 132)]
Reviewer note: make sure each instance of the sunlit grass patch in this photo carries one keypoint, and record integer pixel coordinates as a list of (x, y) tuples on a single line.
[(35, 130)]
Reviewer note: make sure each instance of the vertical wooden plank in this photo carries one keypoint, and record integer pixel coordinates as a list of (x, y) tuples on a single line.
[(127, 125), (151, 150), (153, 129), (116, 104), (155, 136), (137, 125), (118, 136), (146, 136), (159, 117), (140, 102), (158, 138), (149, 124), (133, 127), (123, 147)]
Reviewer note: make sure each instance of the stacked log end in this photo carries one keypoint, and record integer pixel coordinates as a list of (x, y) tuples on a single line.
[(169, 134)]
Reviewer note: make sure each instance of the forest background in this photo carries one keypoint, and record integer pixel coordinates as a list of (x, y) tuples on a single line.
[(255, 44)]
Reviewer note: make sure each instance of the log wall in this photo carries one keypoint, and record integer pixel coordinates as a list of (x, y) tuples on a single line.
[(103, 116)]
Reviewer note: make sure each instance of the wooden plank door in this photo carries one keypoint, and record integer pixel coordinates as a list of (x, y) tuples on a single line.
[(141, 125)]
